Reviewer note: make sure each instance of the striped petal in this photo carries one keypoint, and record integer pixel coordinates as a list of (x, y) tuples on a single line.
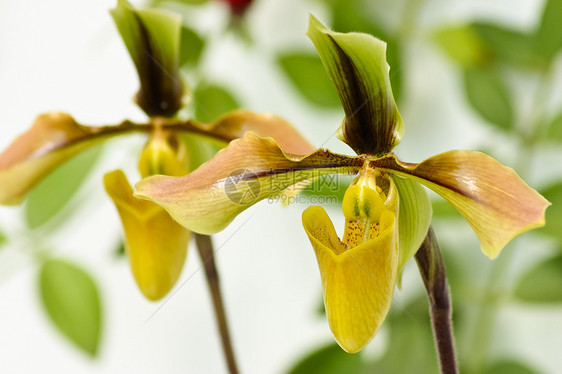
[(493, 199), (250, 169), (357, 65), (156, 245), (52, 140), (152, 38)]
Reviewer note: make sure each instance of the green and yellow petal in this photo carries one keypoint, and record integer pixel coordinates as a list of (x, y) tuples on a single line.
[(250, 169), (493, 199), (156, 245), (163, 153), (414, 218), (357, 65)]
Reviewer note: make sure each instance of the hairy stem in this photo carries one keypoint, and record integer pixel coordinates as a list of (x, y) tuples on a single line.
[(205, 248), (432, 270)]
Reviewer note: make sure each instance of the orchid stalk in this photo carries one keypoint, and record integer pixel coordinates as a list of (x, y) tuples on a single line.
[(386, 208)]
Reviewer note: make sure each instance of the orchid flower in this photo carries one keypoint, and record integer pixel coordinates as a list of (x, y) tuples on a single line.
[(387, 211), (156, 245)]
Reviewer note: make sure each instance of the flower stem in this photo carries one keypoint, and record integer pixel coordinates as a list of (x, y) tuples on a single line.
[(432, 270), (205, 248)]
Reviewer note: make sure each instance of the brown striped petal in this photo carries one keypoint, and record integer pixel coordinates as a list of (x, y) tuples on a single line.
[(494, 200), (53, 139), (250, 169)]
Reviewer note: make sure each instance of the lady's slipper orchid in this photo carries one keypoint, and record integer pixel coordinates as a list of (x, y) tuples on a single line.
[(156, 245), (386, 209)]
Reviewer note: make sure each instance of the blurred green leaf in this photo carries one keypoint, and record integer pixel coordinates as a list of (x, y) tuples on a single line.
[(463, 44), (330, 359), (542, 284), (553, 215), (395, 61), (509, 367), (549, 36), (410, 348), (191, 46), (119, 250), (200, 150), (328, 188), (554, 131), (2, 239), (509, 46), (55, 191), (320, 307), (442, 209), (489, 96), (350, 16), (308, 75), (212, 101), (72, 302)]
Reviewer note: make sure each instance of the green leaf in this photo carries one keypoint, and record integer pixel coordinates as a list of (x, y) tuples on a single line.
[(509, 46), (191, 47), (553, 216), (410, 349), (309, 77), (3, 239), (330, 359), (509, 367), (349, 16), (554, 131), (542, 283), (212, 101), (463, 45), (200, 150), (119, 251), (548, 36), (442, 209), (72, 301), (489, 96), (395, 61), (54, 192), (152, 38), (414, 218)]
